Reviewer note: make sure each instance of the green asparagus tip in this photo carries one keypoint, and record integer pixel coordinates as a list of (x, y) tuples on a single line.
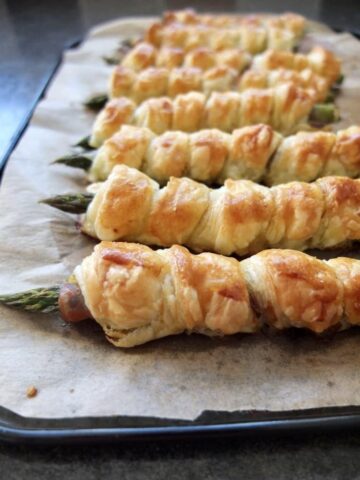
[(72, 203), (330, 98), (96, 103), (324, 113), (111, 60), (44, 300), (77, 160), (340, 79), (84, 143)]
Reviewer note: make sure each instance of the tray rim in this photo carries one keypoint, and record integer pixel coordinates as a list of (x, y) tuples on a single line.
[(18, 429), (21, 430)]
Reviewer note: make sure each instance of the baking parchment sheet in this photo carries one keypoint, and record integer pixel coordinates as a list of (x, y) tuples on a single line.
[(76, 371)]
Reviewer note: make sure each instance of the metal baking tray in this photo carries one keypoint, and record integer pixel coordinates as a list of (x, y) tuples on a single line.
[(17, 429)]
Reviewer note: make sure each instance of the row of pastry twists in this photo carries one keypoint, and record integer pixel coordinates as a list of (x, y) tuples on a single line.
[(256, 153), (137, 294)]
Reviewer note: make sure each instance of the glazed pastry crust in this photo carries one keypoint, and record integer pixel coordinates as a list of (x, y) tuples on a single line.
[(145, 55), (158, 82), (284, 107), (251, 36), (241, 217), (319, 60), (290, 21), (256, 153), (137, 294)]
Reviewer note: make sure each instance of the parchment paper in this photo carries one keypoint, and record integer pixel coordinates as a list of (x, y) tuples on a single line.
[(77, 372)]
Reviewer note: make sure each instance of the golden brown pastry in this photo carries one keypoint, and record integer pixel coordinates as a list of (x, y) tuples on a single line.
[(256, 153), (289, 21), (254, 37), (158, 82), (319, 60), (241, 217), (145, 55), (285, 108), (306, 79), (138, 295)]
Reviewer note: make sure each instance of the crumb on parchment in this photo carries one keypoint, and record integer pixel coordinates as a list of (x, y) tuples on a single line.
[(31, 391)]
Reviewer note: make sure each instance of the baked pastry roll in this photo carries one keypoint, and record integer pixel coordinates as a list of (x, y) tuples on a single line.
[(157, 82), (306, 79), (321, 61), (241, 217), (138, 295), (145, 55), (256, 153), (285, 108), (290, 21), (250, 36)]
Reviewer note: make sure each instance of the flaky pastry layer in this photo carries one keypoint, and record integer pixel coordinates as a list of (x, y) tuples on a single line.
[(138, 295), (256, 153), (240, 217), (285, 108), (158, 81)]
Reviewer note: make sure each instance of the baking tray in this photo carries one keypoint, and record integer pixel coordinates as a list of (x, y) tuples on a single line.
[(17, 429)]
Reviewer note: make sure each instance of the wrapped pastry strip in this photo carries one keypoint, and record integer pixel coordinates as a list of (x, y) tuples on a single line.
[(289, 21), (157, 82), (145, 55), (285, 108), (240, 217), (256, 153), (248, 36), (319, 60), (138, 295)]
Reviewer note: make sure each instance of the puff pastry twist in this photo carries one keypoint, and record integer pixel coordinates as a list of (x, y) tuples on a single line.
[(137, 294), (285, 108), (319, 60), (289, 21), (240, 217), (250, 37), (158, 82), (256, 153), (145, 55)]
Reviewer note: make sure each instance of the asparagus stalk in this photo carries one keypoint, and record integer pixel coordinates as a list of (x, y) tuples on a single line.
[(125, 46), (324, 113), (84, 143), (97, 102), (44, 300), (72, 203), (77, 160)]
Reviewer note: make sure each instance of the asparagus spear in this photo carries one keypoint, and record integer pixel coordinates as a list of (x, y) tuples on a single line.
[(84, 143), (71, 203), (323, 113), (77, 160), (44, 300), (97, 102)]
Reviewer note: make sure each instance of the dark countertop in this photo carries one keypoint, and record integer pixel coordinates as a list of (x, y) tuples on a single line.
[(34, 33)]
